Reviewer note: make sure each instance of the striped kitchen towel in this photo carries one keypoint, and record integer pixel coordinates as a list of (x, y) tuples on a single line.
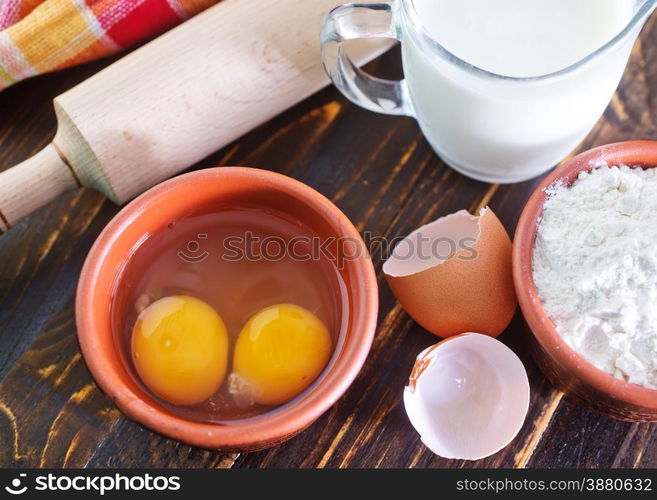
[(38, 36)]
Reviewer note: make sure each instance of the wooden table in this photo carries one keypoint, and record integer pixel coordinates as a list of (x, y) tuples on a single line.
[(386, 178)]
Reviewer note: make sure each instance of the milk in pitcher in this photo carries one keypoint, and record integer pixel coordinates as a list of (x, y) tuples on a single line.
[(485, 105)]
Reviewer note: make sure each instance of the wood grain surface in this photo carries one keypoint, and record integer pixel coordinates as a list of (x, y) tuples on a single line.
[(386, 178)]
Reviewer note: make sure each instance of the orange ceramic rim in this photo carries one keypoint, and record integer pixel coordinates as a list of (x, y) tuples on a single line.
[(174, 197), (632, 153)]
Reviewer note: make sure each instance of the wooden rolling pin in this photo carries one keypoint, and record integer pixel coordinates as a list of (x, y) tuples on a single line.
[(176, 100)]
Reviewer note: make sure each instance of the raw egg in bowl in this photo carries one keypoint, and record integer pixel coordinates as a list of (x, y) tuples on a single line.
[(194, 338)]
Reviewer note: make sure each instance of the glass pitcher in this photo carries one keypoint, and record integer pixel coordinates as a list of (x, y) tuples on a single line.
[(488, 126)]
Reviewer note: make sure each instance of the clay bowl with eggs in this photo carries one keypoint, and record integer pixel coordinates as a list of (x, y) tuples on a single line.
[(565, 367), (184, 196)]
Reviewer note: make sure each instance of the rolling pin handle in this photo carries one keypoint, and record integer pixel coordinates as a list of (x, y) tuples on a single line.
[(31, 184)]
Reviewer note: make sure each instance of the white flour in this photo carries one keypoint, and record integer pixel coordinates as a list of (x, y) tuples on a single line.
[(595, 268)]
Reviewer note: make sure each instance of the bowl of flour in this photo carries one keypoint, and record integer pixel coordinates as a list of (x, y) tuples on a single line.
[(585, 271)]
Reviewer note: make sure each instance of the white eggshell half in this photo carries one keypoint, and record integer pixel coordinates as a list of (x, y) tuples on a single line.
[(467, 396)]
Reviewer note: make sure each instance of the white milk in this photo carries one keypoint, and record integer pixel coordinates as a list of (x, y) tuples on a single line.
[(523, 37), (503, 130)]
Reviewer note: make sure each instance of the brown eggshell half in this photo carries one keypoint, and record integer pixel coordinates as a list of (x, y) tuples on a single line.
[(467, 289)]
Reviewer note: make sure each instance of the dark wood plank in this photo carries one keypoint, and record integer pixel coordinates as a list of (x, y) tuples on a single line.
[(578, 437)]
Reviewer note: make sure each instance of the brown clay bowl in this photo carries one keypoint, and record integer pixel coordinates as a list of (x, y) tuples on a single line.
[(189, 194), (561, 364)]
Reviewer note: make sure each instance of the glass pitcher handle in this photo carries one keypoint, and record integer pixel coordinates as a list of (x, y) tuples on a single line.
[(363, 20)]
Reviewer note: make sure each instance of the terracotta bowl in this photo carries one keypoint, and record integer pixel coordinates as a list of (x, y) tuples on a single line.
[(560, 363), (199, 192)]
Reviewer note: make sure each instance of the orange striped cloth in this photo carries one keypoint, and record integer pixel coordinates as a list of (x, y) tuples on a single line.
[(38, 36)]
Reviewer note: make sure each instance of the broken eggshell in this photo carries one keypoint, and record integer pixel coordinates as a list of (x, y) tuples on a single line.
[(467, 396), (454, 275)]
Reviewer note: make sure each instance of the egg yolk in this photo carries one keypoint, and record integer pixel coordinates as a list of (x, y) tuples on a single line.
[(280, 351), (180, 349)]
